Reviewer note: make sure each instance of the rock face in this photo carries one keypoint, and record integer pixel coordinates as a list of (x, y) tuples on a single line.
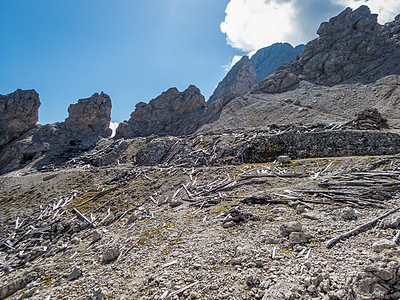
[(53, 144), (351, 46), (239, 80), (90, 115), (171, 113), (248, 72), (267, 60), (19, 113)]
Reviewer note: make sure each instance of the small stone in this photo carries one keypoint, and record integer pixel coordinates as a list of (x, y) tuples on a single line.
[(289, 227), (278, 210), (175, 203), (391, 223), (75, 274), (283, 159), (348, 213), (60, 227), (75, 241), (325, 285), (252, 281), (381, 245), (311, 215), (307, 281), (312, 288), (110, 255), (259, 264), (317, 280), (98, 295), (270, 241), (337, 295), (299, 237), (197, 266), (96, 236), (132, 219)]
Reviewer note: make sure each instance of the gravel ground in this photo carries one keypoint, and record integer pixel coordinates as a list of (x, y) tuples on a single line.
[(223, 238)]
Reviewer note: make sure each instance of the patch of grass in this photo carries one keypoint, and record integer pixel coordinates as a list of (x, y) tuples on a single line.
[(47, 279)]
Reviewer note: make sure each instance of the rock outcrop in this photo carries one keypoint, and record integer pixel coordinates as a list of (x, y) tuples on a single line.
[(171, 113), (90, 115), (19, 113), (239, 80), (53, 144), (248, 72), (352, 47)]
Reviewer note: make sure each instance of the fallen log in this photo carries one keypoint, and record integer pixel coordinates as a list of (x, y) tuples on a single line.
[(333, 241)]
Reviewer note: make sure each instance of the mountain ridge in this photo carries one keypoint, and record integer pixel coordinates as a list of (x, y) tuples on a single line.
[(247, 72)]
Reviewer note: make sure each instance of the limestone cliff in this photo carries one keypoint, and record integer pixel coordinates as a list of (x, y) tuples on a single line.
[(171, 113), (19, 113)]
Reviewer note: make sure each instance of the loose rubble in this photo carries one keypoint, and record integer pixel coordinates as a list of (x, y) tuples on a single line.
[(252, 231)]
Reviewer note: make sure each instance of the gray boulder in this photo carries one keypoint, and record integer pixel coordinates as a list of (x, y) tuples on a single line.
[(18, 114), (90, 115), (171, 113)]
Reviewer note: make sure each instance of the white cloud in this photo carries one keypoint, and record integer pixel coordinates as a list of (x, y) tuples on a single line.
[(386, 9), (113, 126), (235, 59), (252, 24)]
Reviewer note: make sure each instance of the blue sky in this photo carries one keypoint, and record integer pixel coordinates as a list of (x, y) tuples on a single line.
[(134, 50)]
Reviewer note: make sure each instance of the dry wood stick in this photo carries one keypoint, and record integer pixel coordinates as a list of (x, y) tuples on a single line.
[(320, 172), (183, 289), (288, 175), (187, 191), (333, 241), (396, 239), (83, 217)]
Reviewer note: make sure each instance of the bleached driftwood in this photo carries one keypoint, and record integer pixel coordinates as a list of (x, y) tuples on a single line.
[(182, 289), (396, 239), (333, 241), (82, 217)]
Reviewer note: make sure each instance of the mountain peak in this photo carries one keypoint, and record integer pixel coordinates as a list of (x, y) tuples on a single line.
[(249, 71)]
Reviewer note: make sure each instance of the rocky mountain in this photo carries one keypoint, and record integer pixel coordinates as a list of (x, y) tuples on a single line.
[(290, 191), (19, 113), (353, 64), (351, 47), (248, 72), (171, 113), (238, 81), (267, 60), (52, 144)]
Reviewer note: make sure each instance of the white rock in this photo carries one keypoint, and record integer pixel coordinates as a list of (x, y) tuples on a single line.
[(381, 245)]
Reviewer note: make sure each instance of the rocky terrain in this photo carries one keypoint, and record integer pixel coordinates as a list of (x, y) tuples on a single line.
[(251, 231), (289, 190)]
